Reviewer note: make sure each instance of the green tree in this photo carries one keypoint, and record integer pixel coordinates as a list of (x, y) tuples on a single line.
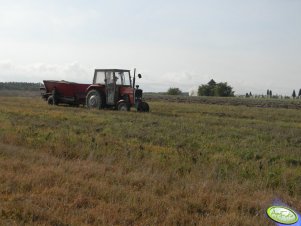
[(299, 95), (211, 83), (271, 94), (208, 89), (294, 94), (215, 89), (174, 91), (204, 90), (223, 90)]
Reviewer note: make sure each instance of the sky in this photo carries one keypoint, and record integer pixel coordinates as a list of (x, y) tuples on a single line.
[(253, 45)]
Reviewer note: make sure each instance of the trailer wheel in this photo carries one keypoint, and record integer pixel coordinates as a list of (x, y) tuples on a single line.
[(143, 107), (94, 100), (50, 100), (123, 106)]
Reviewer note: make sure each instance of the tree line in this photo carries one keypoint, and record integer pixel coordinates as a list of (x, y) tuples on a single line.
[(294, 94), (222, 89), (28, 86), (270, 95), (212, 88)]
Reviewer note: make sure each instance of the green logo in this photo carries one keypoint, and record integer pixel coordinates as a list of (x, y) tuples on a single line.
[(282, 215)]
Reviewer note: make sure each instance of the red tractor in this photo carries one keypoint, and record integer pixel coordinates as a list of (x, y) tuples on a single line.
[(111, 88)]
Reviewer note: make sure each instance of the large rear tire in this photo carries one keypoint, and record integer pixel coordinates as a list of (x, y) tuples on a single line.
[(94, 100)]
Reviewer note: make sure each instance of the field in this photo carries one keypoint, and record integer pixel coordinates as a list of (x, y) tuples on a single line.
[(235, 101), (180, 164)]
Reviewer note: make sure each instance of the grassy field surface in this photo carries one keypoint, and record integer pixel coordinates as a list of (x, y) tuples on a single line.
[(235, 101), (180, 164)]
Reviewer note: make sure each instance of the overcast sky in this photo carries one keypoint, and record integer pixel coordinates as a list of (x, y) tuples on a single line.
[(253, 45)]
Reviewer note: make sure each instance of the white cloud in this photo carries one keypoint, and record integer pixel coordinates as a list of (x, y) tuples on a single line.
[(6, 65), (37, 72)]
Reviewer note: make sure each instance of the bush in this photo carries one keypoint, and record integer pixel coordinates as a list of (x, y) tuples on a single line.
[(174, 91), (212, 88)]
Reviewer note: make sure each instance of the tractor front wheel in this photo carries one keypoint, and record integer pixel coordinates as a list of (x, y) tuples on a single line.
[(123, 106), (94, 100), (143, 107)]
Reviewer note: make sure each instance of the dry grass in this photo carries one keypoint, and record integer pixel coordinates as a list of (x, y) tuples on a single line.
[(181, 164), (235, 101)]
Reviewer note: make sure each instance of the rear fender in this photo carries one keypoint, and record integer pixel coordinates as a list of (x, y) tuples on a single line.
[(97, 87)]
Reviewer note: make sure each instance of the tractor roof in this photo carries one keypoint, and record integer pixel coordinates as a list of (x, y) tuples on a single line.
[(114, 70)]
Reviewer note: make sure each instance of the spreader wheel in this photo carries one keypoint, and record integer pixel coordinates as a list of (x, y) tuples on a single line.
[(50, 100)]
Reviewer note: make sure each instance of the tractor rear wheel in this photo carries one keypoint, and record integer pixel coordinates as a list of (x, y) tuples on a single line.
[(123, 106), (94, 100)]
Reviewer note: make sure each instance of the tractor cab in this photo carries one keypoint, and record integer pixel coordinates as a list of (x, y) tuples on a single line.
[(115, 88), (112, 80)]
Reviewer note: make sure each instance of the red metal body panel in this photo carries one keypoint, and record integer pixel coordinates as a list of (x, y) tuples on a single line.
[(66, 89), (127, 90)]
